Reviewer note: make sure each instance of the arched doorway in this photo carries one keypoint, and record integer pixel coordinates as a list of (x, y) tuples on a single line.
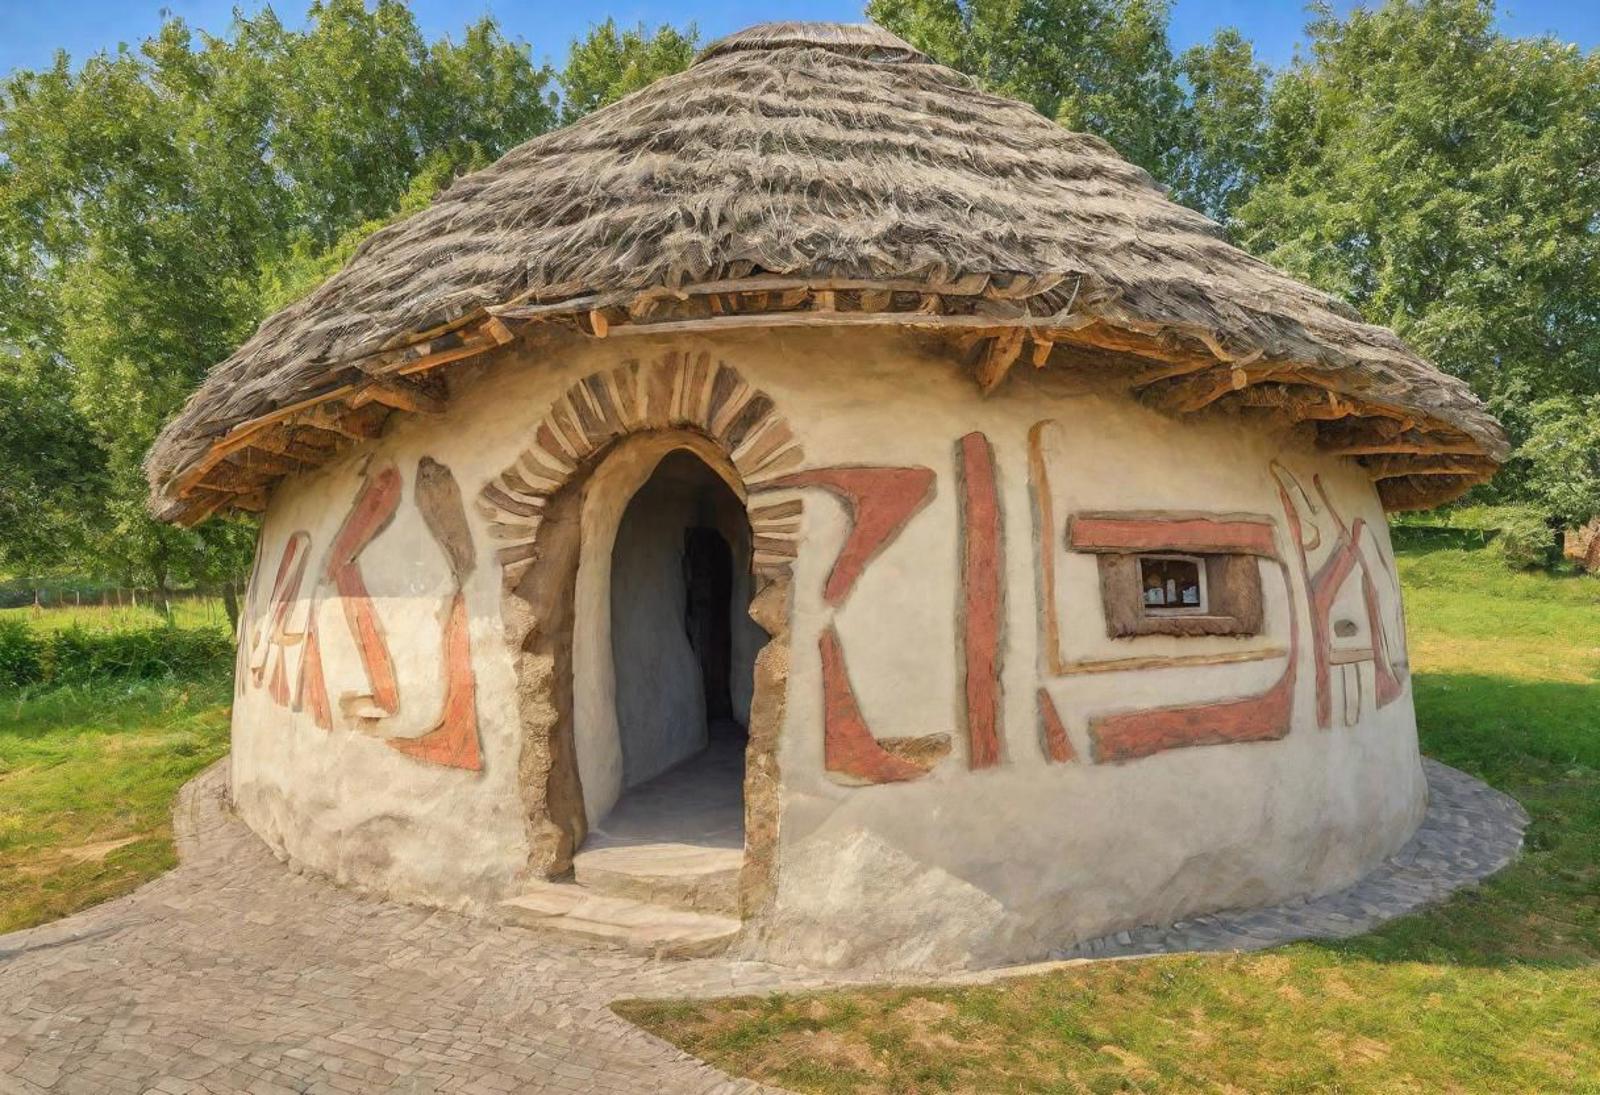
[(683, 651), (555, 512)]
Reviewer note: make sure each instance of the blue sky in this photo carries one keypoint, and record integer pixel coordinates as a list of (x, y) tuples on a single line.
[(32, 30)]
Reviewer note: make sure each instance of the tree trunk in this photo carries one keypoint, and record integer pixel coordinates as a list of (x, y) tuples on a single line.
[(230, 604), (161, 595)]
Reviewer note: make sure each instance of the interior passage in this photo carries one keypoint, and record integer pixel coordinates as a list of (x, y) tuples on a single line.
[(684, 648)]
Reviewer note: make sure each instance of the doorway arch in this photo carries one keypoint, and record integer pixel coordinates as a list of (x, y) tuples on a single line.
[(557, 510), (663, 768), (639, 690)]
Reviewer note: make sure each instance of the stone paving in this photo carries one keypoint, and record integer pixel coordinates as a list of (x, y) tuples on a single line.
[(1470, 832), (234, 973)]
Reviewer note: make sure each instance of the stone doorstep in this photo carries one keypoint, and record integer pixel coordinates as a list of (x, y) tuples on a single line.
[(638, 926), (681, 876)]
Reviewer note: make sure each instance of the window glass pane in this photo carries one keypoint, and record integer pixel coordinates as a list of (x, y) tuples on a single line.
[(1170, 583)]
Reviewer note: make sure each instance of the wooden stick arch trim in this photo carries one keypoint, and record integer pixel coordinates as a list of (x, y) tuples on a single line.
[(676, 391)]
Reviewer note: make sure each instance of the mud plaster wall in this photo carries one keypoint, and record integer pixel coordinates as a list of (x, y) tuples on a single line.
[(965, 866), (342, 800), (959, 866)]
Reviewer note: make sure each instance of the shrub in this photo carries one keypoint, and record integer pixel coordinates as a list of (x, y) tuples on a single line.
[(21, 655), (77, 656), (1526, 541)]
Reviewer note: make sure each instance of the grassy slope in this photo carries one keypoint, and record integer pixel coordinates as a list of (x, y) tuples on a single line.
[(87, 777), (1498, 990)]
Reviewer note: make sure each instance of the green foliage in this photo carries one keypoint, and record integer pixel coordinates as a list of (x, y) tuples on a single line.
[(50, 471), (1523, 536), (76, 655), (1225, 128), (1526, 540), (1105, 67), (1440, 176), (1561, 458), (307, 265), (154, 203), (21, 655), (610, 63)]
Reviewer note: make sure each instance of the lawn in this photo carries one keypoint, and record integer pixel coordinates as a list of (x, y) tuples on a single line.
[(187, 612), (1497, 990), (88, 773)]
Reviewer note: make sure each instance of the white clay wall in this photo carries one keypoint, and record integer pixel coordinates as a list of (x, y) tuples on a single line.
[(958, 866)]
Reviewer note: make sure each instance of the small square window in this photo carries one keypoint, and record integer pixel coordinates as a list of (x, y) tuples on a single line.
[(1172, 585)]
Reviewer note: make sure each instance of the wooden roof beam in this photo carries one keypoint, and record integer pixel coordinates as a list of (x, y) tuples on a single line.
[(1195, 391), (400, 395), (1302, 402), (999, 353), (1398, 467), (361, 424), (286, 441), (253, 458)]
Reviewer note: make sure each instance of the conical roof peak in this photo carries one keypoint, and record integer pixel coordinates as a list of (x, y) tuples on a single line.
[(862, 40)]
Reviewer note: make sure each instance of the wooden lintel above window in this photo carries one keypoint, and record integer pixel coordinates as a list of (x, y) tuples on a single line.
[(1122, 533)]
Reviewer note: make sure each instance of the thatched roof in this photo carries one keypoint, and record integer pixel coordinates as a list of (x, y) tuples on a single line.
[(809, 174)]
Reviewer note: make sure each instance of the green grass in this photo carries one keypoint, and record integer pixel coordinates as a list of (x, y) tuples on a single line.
[(87, 778), (1496, 990), (197, 612)]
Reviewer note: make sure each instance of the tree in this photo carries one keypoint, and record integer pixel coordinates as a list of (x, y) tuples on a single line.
[(1106, 67), (608, 64), (1227, 125), (154, 203), (1443, 178), (1562, 459), (48, 477)]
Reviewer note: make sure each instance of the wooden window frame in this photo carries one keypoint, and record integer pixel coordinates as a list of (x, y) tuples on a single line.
[(1229, 548)]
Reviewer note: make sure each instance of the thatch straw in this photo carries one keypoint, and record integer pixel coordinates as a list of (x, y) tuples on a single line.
[(816, 153)]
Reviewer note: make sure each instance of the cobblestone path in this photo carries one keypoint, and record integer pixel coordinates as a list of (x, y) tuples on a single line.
[(233, 973)]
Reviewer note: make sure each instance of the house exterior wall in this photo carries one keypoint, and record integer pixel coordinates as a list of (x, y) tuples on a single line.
[(971, 770)]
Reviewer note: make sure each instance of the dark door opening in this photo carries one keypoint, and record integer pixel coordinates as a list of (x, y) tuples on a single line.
[(708, 619), (683, 654)]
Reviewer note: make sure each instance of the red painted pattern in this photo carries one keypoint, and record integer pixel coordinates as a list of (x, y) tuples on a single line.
[(453, 740), (1143, 733), (1323, 587), (369, 515), (1057, 746), (285, 590), (849, 749), (313, 690), (982, 599), (880, 502), (1389, 686)]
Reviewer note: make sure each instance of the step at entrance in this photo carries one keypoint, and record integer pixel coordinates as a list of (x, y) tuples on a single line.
[(639, 926), (684, 876)]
